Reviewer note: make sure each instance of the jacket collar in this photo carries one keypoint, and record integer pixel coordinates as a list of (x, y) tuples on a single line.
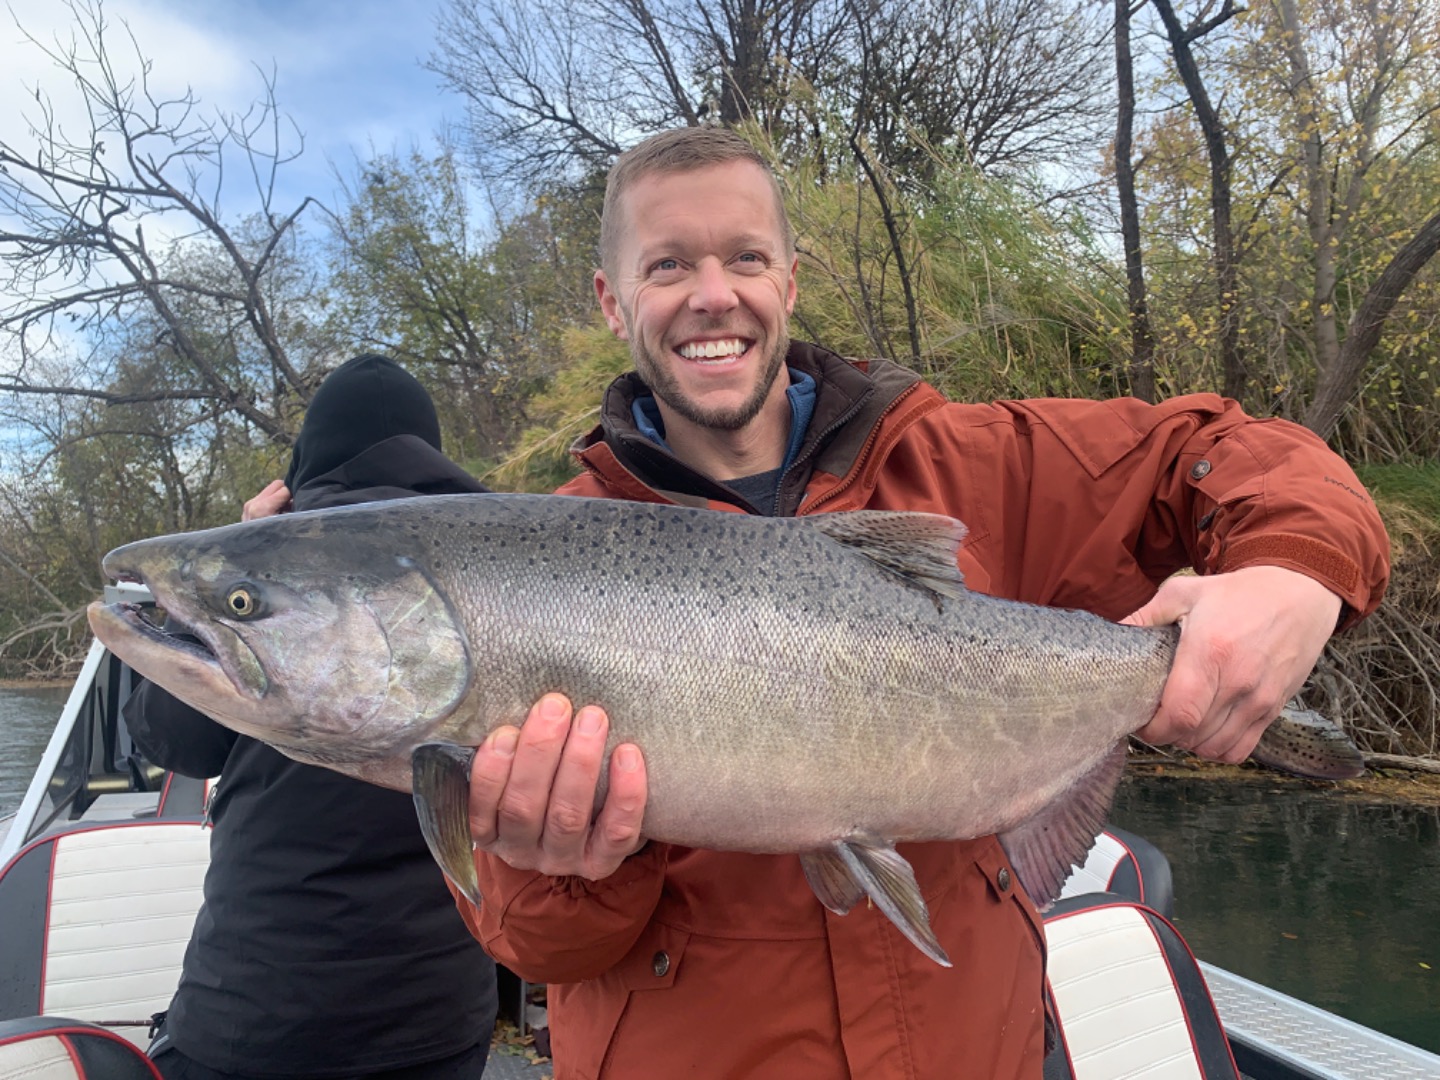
[(850, 398)]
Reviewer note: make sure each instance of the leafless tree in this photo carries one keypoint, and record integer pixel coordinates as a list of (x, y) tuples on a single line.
[(1142, 344), (1010, 85), (1006, 84), (549, 101), (1182, 40), (93, 226)]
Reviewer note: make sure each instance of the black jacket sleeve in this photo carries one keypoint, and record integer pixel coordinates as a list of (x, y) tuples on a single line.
[(175, 736)]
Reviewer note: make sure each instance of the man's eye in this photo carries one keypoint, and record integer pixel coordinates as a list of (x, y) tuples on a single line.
[(667, 265)]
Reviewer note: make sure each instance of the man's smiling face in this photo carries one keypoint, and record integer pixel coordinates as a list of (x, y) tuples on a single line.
[(702, 287)]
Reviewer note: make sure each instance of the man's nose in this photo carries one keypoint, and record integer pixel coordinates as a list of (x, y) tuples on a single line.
[(712, 294)]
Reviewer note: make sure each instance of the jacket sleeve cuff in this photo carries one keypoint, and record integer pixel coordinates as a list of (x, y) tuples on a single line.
[(563, 929), (1313, 558)]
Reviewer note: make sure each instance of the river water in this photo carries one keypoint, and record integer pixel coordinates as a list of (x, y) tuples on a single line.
[(26, 719), (1332, 900)]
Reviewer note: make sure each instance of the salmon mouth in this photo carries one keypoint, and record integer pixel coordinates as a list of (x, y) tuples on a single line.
[(219, 660), (144, 620)]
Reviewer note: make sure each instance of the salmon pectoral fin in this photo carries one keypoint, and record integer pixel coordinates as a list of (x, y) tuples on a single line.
[(869, 866), (1044, 849), (441, 786)]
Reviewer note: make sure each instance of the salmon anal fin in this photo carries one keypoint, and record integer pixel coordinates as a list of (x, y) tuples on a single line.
[(885, 876), (830, 878)]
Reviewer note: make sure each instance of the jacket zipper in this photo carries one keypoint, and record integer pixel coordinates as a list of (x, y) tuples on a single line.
[(858, 465)]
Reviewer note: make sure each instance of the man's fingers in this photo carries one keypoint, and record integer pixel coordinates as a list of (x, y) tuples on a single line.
[(489, 774), (520, 817), (1232, 743), (572, 796), (616, 833), (1169, 605), (272, 499), (1188, 697), (532, 793)]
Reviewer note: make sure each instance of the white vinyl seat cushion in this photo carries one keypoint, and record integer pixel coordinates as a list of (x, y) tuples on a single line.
[(97, 920), (1129, 998)]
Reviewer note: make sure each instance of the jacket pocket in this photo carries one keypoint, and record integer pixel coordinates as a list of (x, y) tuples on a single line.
[(1003, 885), (596, 1011)]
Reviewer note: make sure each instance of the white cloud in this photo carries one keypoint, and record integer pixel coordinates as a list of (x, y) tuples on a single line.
[(183, 56), (347, 72)]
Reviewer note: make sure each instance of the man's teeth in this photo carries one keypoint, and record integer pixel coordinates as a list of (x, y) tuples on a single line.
[(708, 350)]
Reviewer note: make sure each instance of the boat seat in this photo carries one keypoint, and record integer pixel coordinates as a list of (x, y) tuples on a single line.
[(1126, 865), (183, 796), (55, 1048), (96, 920), (1128, 997)]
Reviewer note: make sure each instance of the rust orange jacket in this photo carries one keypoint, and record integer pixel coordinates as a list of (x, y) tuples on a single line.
[(712, 964)]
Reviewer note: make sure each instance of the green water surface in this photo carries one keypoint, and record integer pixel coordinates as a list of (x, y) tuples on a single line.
[(1328, 898)]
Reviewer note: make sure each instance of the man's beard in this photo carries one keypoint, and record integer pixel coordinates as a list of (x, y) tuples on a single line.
[(666, 387)]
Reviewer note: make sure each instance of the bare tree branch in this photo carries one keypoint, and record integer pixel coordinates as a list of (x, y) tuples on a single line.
[(78, 215)]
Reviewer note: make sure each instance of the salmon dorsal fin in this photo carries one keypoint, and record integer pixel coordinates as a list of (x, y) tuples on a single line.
[(921, 548)]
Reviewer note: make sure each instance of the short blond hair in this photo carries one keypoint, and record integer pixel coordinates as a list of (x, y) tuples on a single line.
[(679, 150)]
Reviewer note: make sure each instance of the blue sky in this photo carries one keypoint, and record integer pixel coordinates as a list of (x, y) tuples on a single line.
[(349, 72)]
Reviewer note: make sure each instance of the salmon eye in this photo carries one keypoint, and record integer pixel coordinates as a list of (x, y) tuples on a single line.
[(242, 602)]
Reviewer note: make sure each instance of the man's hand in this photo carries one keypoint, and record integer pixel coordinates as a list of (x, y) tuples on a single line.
[(273, 499), (532, 794), (1248, 640)]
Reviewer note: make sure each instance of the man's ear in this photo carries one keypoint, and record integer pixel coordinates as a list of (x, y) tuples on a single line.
[(610, 306), (790, 287)]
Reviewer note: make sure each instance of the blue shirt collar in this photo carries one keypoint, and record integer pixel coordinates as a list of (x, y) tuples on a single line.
[(800, 394)]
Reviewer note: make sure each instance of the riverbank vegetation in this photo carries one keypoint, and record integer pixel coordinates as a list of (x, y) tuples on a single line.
[(1015, 197)]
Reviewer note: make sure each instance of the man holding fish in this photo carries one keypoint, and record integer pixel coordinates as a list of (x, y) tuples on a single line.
[(667, 960), (853, 690)]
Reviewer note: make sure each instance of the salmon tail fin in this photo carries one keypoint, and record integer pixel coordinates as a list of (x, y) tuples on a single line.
[(441, 784), (866, 866), (1044, 849), (1305, 743)]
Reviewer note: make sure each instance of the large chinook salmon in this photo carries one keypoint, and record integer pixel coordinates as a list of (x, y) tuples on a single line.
[(821, 685)]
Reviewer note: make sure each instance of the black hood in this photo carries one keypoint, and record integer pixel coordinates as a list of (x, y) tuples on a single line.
[(364, 401)]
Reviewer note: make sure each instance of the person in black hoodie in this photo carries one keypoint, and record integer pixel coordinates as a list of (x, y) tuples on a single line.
[(328, 944)]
